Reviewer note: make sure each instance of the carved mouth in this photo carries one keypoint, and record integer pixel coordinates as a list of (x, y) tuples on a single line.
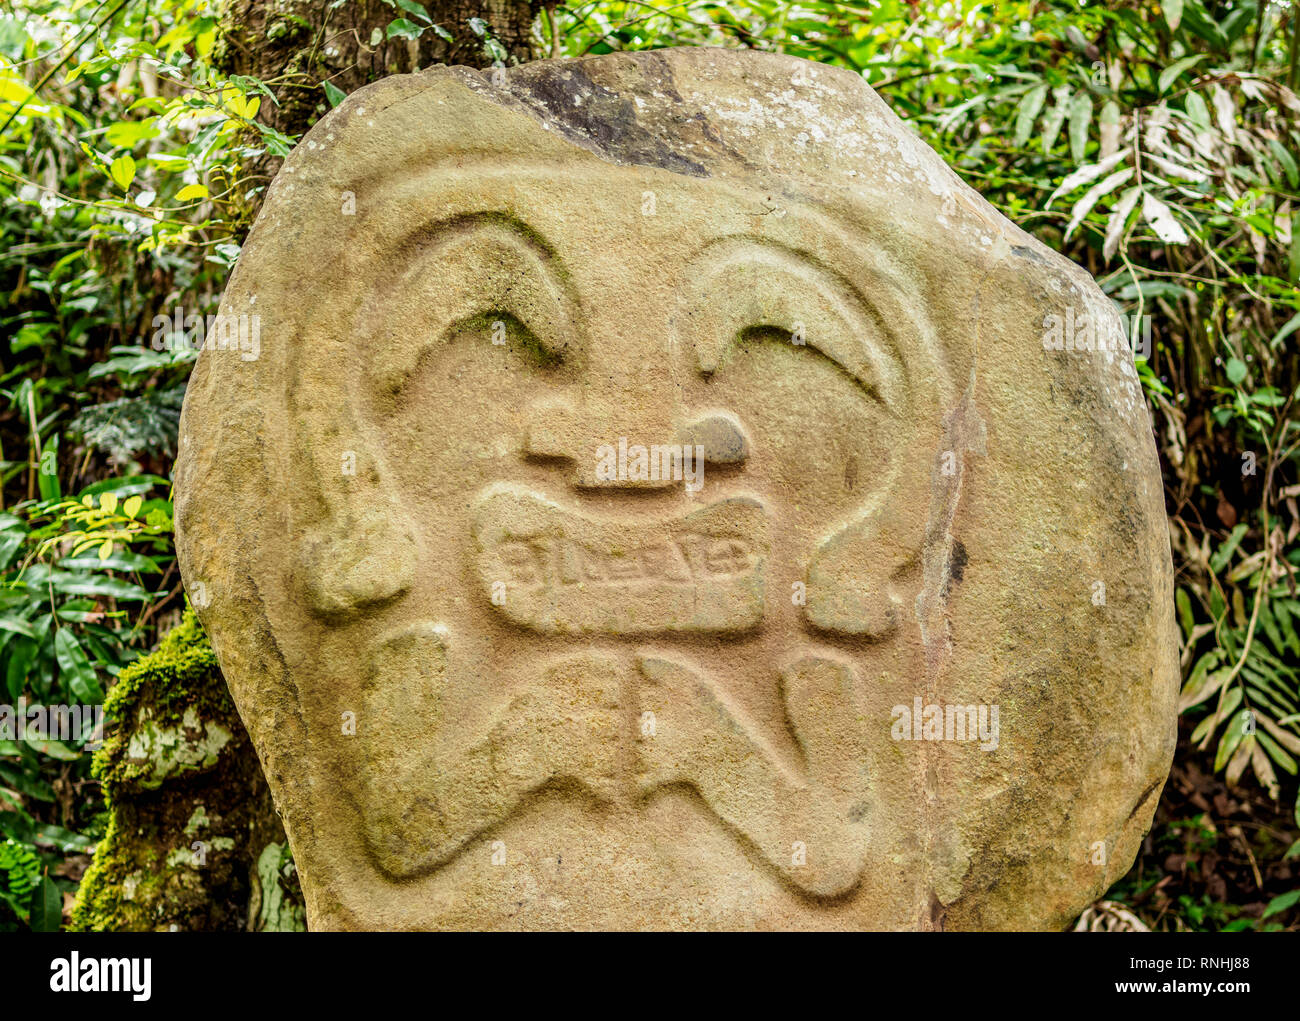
[(555, 570)]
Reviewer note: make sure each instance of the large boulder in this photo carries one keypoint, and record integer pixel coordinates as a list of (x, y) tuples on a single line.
[(653, 490)]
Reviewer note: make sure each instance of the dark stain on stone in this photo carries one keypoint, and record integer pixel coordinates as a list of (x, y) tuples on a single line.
[(957, 565), (593, 115), (1025, 252), (1146, 794), (937, 913)]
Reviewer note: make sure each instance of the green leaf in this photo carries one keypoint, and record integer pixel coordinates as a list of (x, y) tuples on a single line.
[(1093, 195), (1055, 117), (21, 654), (1196, 109), (1287, 161), (1196, 690), (26, 785), (127, 485), (1275, 752), (1232, 736), (1198, 21), (1152, 289), (1027, 113), (1283, 609), (129, 134), (100, 586), (411, 7), (1162, 221), (1290, 327), (1080, 116), (1119, 219), (65, 840), (16, 626), (1184, 603), (1236, 371), (75, 668), (401, 28), (1220, 559), (54, 749), (47, 478), (1282, 902), (191, 192), (1173, 11), (1230, 702), (122, 171), (333, 93), (46, 911), (1170, 74), (1293, 268)]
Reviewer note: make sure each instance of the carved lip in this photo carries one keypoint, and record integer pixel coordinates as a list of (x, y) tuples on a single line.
[(556, 570)]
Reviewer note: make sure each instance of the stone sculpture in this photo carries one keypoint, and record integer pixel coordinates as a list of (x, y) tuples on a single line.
[(658, 499)]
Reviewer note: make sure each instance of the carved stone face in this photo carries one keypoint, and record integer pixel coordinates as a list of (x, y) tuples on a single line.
[(618, 463)]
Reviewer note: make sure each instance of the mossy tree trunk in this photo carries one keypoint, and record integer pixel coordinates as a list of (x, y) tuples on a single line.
[(193, 840), (296, 46)]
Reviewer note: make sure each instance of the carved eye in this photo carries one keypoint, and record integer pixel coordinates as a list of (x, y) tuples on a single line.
[(747, 290), (503, 329), (482, 274)]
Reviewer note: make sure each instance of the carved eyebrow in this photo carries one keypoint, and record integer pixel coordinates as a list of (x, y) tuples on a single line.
[(471, 268), (749, 284)]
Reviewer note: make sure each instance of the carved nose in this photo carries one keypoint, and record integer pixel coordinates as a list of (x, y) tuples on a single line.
[(634, 453), (721, 437)]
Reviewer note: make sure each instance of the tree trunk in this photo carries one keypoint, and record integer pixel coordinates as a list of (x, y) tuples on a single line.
[(296, 46), (193, 840)]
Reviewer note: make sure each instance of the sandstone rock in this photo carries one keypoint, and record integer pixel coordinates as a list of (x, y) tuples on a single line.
[(648, 491)]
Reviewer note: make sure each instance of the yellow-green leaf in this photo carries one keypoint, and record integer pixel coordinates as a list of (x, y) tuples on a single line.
[(122, 171), (1173, 10)]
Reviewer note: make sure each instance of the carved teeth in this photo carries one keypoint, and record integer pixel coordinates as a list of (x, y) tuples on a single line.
[(553, 570)]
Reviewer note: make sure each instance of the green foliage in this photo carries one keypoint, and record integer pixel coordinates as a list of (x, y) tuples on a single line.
[(75, 579), (159, 802), (20, 875)]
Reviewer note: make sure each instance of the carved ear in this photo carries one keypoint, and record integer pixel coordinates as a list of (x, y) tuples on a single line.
[(855, 576), (361, 558), (358, 547), (360, 544)]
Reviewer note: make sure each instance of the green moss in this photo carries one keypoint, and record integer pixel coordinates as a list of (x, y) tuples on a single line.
[(190, 815), (288, 27), (171, 700)]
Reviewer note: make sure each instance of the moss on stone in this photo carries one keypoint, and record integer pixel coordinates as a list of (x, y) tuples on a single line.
[(190, 816)]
